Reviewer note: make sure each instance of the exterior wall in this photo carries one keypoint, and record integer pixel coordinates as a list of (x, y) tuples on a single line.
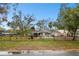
[(60, 33), (63, 32), (77, 34)]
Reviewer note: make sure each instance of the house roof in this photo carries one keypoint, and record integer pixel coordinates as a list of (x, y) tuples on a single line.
[(42, 31)]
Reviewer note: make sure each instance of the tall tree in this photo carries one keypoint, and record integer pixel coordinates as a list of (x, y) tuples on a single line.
[(17, 17), (58, 23), (70, 21)]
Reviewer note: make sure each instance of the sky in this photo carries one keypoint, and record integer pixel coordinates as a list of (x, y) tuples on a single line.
[(39, 10)]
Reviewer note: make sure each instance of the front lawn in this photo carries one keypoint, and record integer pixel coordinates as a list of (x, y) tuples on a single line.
[(41, 44)]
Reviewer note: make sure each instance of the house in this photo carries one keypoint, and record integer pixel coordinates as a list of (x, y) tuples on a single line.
[(43, 33), (77, 34), (59, 33), (62, 33), (48, 33)]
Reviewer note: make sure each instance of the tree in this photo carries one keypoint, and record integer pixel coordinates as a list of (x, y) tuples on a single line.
[(42, 25), (20, 21), (4, 8), (50, 24), (69, 20), (24, 24), (27, 21), (15, 23), (16, 18)]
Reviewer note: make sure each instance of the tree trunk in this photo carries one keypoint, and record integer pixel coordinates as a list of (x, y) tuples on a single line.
[(74, 37)]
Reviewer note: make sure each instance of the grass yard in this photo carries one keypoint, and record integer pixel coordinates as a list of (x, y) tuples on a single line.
[(40, 44)]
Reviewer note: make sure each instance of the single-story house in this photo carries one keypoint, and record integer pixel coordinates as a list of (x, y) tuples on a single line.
[(59, 33), (48, 33), (43, 33)]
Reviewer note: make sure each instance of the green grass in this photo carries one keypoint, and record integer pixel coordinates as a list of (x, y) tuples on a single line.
[(38, 44)]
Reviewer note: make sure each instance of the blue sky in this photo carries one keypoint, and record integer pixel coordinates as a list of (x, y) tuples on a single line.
[(39, 10)]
